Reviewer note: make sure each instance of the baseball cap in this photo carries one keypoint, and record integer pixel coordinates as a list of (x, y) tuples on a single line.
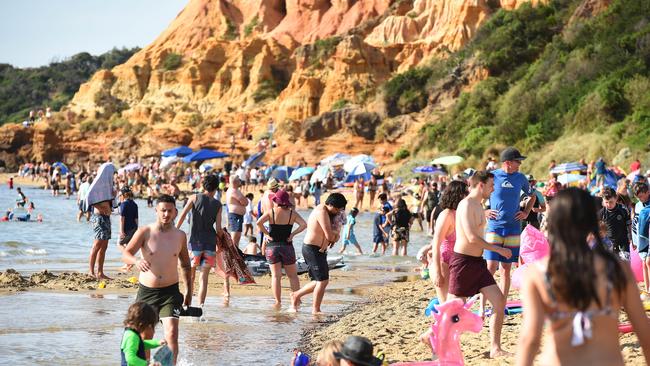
[(510, 153)]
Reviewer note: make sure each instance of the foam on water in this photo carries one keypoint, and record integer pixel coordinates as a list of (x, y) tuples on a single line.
[(33, 251)]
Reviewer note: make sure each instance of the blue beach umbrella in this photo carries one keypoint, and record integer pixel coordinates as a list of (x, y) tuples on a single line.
[(255, 159), (64, 169), (282, 173), (204, 154), (568, 167), (301, 172), (177, 151), (427, 169)]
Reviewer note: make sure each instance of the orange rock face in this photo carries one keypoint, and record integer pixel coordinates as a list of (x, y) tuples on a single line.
[(222, 61)]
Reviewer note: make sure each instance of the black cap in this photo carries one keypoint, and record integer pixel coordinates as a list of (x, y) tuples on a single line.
[(358, 350), (125, 189), (510, 154)]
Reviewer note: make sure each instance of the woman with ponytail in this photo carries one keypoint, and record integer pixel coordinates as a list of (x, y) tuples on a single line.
[(580, 291)]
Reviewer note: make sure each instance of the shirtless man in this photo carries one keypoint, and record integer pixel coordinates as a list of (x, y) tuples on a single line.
[(162, 247), (468, 271), (236, 202), (319, 237)]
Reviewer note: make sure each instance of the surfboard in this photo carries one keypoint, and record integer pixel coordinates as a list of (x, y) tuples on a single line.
[(101, 189)]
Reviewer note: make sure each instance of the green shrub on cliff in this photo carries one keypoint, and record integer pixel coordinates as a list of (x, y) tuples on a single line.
[(172, 61), (248, 29), (22, 90)]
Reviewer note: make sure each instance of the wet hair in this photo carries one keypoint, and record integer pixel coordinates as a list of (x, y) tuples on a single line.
[(210, 183), (326, 354), (571, 269), (453, 194), (401, 205), (608, 193), (480, 176), (250, 196), (140, 315), (383, 197), (354, 212), (165, 198), (336, 200)]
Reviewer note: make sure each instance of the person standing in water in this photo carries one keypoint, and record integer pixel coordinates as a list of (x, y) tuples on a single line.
[(236, 202), (348, 233), (319, 237), (205, 221), (163, 248), (278, 244)]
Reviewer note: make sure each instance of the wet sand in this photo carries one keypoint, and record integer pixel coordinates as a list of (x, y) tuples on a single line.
[(392, 316)]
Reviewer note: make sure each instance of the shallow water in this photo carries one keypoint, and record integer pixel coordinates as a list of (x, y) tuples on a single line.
[(56, 328)]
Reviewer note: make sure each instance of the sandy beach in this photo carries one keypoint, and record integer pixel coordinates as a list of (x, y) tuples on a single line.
[(392, 316)]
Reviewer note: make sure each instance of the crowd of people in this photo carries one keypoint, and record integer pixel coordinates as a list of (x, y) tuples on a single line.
[(475, 220)]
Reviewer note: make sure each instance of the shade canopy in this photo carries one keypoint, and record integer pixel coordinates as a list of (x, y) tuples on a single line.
[(301, 172), (204, 154), (568, 167), (447, 160), (62, 167), (177, 151)]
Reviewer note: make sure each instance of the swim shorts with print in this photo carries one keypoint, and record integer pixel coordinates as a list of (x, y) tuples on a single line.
[(280, 253), (235, 222), (101, 226), (503, 237)]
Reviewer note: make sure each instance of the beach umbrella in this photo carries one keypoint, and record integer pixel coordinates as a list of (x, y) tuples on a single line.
[(335, 159), (320, 174), (204, 154), (177, 151), (360, 168), (301, 172), (568, 178), (205, 168), (167, 161), (64, 169), (427, 169), (568, 167), (131, 167), (447, 160), (356, 160), (255, 159), (282, 173), (633, 175)]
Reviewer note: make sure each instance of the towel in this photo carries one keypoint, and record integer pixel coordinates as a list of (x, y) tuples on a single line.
[(101, 188)]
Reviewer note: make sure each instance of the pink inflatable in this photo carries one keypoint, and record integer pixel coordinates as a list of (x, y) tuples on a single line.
[(518, 275), (637, 265), (534, 245), (452, 319)]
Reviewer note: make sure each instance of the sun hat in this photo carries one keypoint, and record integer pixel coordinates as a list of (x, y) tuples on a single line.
[(358, 350), (510, 154), (281, 198), (272, 184)]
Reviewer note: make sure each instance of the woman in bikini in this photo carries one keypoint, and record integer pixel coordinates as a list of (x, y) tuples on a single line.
[(444, 238), (278, 242), (372, 190), (580, 291), (358, 193)]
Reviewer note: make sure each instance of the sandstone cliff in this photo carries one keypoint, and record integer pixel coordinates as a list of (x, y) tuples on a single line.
[(221, 62)]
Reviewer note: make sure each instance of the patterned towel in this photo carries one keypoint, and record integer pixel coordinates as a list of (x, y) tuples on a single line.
[(229, 262)]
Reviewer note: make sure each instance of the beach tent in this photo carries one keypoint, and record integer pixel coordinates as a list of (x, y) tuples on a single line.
[(64, 169), (611, 179), (568, 167), (282, 173), (335, 159), (177, 151), (301, 172), (204, 154), (255, 159), (320, 174), (447, 160)]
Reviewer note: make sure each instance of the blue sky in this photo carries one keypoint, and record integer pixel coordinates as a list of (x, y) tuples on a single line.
[(35, 32)]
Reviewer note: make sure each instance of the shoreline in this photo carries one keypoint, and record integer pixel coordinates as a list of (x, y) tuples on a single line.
[(392, 317)]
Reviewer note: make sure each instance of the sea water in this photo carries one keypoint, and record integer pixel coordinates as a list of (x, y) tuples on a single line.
[(85, 328)]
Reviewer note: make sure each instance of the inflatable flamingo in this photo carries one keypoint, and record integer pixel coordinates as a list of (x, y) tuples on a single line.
[(452, 319), (534, 247)]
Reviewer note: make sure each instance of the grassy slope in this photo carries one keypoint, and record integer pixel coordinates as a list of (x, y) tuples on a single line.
[(555, 90)]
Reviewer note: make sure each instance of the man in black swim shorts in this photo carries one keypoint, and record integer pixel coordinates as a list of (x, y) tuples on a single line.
[(321, 234)]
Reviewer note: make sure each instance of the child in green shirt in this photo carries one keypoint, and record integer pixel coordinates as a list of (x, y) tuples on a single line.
[(139, 328)]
